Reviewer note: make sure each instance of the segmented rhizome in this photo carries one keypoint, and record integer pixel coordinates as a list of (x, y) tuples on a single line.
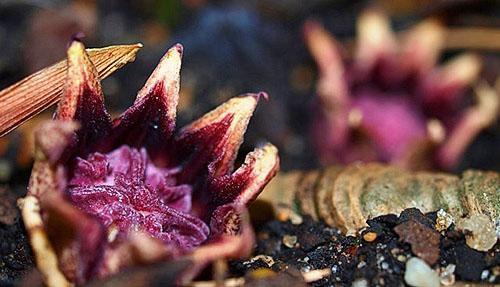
[(346, 197)]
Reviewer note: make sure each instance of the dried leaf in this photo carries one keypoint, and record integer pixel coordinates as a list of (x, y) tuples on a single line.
[(35, 93)]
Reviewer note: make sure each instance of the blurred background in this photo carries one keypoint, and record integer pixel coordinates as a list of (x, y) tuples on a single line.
[(231, 47)]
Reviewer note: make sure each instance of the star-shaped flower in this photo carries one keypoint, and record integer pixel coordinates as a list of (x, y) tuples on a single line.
[(107, 194)]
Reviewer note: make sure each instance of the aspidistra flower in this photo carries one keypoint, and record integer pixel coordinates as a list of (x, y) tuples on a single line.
[(391, 102), (108, 194)]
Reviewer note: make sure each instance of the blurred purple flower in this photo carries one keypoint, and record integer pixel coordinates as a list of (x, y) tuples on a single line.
[(390, 102)]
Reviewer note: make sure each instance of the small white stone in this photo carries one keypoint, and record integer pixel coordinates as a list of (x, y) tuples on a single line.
[(419, 274), (360, 283), (305, 269), (443, 220), (447, 275), (485, 274), (289, 240), (296, 219), (482, 235)]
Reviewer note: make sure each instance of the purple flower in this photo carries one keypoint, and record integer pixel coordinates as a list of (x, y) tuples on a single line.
[(390, 102), (108, 194)]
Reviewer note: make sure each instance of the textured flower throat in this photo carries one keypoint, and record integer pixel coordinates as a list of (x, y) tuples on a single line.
[(125, 190)]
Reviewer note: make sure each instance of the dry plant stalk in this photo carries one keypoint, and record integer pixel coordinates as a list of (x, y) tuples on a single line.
[(35, 93), (346, 197)]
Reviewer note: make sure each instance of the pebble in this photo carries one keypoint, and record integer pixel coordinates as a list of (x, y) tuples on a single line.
[(305, 269), (419, 274), (361, 264), (289, 240), (482, 234), (296, 219), (264, 258), (285, 214), (424, 240), (443, 220), (485, 274), (360, 283), (447, 275), (370, 236)]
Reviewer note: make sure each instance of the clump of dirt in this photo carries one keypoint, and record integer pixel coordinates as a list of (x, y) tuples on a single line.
[(377, 256), (16, 259)]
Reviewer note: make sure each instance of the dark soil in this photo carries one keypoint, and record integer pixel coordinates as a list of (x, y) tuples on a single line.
[(16, 259), (379, 262)]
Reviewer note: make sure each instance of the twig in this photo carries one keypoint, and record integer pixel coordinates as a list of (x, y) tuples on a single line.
[(470, 38), (35, 93), (310, 276), (476, 38)]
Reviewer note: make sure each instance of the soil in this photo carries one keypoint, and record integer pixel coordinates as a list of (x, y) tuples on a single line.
[(16, 259), (376, 257)]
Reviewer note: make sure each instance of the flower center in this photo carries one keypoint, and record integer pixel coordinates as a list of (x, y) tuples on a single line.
[(126, 191)]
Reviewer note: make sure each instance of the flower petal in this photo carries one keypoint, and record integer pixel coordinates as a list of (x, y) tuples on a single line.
[(332, 87), (245, 184), (224, 127), (422, 46), (148, 271), (150, 122), (83, 100), (472, 121), (443, 88), (77, 239), (237, 243), (46, 259), (52, 139), (47, 180), (137, 248), (375, 42)]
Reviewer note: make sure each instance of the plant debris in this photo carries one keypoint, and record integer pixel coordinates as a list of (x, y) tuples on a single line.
[(366, 259), (35, 93)]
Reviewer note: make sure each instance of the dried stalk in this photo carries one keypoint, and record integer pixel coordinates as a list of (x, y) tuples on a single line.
[(477, 38), (468, 38), (309, 277), (35, 93)]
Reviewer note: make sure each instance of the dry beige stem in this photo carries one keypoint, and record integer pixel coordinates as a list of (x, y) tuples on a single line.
[(309, 277), (35, 93), (478, 38), (46, 259)]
